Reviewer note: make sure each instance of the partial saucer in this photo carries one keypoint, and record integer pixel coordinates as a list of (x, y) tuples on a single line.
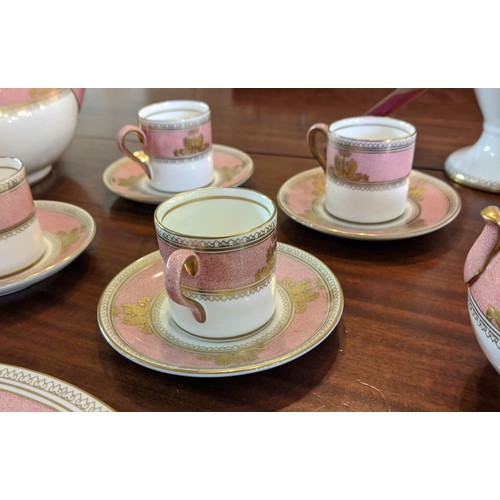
[(67, 230), (134, 317), (432, 204), (126, 178), (23, 390)]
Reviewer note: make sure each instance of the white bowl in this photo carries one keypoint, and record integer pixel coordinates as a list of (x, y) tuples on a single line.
[(37, 125), (487, 334)]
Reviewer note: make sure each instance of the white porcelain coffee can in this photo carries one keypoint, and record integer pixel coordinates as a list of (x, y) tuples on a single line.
[(368, 164), (21, 237), (176, 137), (219, 249)]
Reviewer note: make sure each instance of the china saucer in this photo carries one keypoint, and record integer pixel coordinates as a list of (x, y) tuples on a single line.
[(432, 204), (134, 317), (126, 178), (67, 231), (23, 390)]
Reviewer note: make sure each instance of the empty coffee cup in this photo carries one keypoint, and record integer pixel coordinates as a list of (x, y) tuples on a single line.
[(219, 249), (368, 164), (21, 237), (176, 137)]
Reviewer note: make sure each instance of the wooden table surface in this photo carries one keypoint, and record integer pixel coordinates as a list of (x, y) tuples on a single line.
[(404, 342)]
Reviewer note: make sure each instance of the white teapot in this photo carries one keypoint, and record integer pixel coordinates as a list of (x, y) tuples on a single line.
[(37, 125)]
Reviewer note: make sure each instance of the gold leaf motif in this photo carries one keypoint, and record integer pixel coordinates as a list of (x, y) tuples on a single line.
[(318, 185), (192, 144), (270, 263), (416, 191), (127, 182), (137, 315), (301, 293), (344, 167), (242, 356), (228, 173), (493, 315), (69, 238)]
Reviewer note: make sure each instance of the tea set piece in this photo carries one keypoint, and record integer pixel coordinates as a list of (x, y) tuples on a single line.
[(135, 318), (23, 390), (67, 231), (367, 166), (127, 179), (478, 166), (37, 126), (482, 276), (431, 205), (219, 250)]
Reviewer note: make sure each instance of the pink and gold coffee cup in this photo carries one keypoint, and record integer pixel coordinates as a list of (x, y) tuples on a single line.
[(176, 137), (368, 163), (219, 249), (21, 237)]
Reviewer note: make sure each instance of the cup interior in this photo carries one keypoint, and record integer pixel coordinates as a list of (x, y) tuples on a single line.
[(9, 167), (215, 213), (372, 129), (174, 111)]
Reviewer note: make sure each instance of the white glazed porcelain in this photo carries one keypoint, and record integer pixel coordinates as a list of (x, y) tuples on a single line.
[(219, 247), (176, 139), (21, 238), (37, 126), (367, 166), (478, 166)]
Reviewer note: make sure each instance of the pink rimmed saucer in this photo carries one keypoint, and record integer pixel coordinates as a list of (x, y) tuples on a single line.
[(67, 230), (134, 317), (432, 204), (23, 390), (126, 178)]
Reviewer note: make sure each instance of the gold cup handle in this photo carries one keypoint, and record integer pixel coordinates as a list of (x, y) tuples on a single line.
[(311, 141), (140, 157), (181, 261)]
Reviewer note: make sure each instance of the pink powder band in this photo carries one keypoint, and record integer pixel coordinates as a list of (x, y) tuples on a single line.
[(15, 206)]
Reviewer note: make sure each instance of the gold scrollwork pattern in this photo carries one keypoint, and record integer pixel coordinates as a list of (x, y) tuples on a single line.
[(193, 143), (135, 314)]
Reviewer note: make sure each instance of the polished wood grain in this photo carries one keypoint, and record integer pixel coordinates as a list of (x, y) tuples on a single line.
[(404, 342)]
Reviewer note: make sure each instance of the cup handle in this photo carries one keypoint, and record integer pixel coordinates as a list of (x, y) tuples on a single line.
[(179, 261), (311, 140), (139, 157)]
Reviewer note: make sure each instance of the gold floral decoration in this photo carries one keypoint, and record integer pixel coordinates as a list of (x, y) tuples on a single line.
[(270, 263), (416, 191), (193, 143), (301, 293), (68, 238), (136, 315), (127, 182), (318, 185), (346, 168), (228, 173)]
